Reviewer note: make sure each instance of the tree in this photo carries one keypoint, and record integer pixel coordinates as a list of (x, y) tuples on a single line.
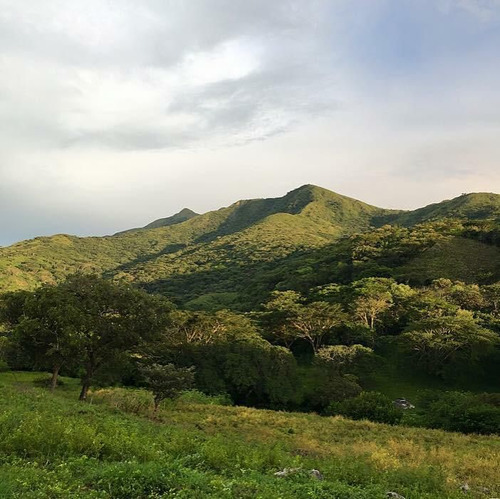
[(167, 381), (111, 319), (316, 320), (42, 328), (440, 342), (195, 327), (294, 319), (345, 359), (372, 297), (86, 320), (491, 294), (278, 315)]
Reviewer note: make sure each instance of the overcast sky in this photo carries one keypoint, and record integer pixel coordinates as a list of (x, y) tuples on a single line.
[(115, 113)]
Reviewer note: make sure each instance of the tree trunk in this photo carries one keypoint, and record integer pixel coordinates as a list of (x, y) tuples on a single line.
[(55, 374), (85, 389), (91, 366)]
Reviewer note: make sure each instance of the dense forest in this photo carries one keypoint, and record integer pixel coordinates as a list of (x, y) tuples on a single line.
[(310, 302)]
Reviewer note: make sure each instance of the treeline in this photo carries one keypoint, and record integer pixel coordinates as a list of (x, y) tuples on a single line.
[(302, 351)]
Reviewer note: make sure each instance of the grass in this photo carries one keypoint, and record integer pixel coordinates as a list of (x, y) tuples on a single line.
[(53, 446)]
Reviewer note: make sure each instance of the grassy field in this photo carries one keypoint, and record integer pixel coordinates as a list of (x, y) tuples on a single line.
[(53, 446)]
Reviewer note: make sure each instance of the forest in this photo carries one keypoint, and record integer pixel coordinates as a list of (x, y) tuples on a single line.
[(327, 347)]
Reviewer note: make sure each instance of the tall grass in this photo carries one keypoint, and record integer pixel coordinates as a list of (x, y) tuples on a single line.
[(53, 446)]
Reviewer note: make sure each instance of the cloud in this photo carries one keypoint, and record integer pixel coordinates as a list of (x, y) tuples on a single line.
[(115, 113), (114, 74)]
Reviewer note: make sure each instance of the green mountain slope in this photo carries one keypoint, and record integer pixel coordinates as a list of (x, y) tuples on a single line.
[(266, 228), (475, 206), (216, 255), (454, 258)]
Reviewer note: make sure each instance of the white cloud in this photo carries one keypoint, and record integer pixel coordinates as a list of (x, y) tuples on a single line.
[(136, 109)]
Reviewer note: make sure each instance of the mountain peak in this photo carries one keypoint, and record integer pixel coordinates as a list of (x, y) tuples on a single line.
[(181, 216)]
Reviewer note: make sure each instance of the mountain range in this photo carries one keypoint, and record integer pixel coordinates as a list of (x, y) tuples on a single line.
[(213, 254)]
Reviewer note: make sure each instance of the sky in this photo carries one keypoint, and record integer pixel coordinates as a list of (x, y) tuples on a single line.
[(116, 113)]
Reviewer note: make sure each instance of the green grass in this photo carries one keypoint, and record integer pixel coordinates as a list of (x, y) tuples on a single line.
[(53, 446)]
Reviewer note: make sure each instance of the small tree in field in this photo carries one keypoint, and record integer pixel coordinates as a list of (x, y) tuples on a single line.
[(167, 381)]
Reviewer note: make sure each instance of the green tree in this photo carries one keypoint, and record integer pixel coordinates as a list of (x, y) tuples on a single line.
[(279, 313), (345, 359), (293, 319), (167, 381), (87, 321), (111, 319), (372, 297), (42, 328), (440, 342), (491, 295)]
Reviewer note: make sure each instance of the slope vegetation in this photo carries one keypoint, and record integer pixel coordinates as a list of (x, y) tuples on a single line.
[(53, 446), (211, 256), (305, 217), (475, 206)]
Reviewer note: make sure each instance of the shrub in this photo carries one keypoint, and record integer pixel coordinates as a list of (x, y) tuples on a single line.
[(460, 411), (167, 381), (197, 397), (368, 405)]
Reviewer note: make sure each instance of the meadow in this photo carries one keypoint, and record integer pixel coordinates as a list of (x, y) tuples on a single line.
[(198, 446)]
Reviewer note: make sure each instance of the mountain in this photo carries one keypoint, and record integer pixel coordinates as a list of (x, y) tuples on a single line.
[(476, 206), (210, 257), (183, 215)]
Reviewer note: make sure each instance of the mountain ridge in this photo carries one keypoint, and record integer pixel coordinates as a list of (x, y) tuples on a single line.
[(252, 230)]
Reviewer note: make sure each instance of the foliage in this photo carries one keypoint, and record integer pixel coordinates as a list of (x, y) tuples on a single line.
[(86, 322), (442, 343), (368, 405), (460, 411), (167, 381)]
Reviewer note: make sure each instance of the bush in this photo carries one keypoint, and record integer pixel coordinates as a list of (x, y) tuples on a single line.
[(197, 397), (460, 411), (368, 405)]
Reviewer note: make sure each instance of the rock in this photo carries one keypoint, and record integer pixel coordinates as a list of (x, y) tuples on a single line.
[(316, 474), (403, 404), (286, 472), (394, 495), (465, 488)]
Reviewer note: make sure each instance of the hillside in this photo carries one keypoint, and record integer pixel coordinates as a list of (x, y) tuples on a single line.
[(209, 260), (475, 206), (306, 217), (53, 446)]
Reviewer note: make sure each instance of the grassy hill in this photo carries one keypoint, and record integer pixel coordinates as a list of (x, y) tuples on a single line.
[(208, 259), (475, 206), (53, 446), (306, 217)]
